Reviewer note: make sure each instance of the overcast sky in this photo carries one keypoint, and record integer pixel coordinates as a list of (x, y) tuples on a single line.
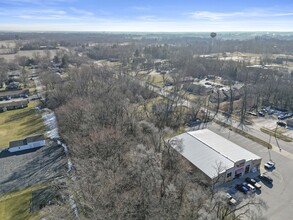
[(146, 16)]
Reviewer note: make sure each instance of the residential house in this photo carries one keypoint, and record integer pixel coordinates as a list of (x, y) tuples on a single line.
[(197, 89), (28, 143), (12, 94), (6, 106)]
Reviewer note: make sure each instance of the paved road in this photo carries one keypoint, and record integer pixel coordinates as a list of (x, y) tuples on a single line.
[(39, 87)]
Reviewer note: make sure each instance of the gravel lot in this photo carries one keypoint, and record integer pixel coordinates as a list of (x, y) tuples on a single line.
[(39, 166)]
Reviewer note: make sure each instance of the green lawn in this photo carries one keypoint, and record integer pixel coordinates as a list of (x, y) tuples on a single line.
[(20, 123), (16, 205)]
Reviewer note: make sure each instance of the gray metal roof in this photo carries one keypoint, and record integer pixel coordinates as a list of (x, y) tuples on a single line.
[(207, 151), (225, 147), (17, 143), (39, 137), (203, 157)]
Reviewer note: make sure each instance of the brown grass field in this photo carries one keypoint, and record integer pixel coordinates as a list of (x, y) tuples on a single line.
[(28, 53)]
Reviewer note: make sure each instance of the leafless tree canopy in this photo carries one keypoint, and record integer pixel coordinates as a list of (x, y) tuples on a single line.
[(123, 169)]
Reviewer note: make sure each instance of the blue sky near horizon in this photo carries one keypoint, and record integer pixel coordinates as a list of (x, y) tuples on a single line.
[(158, 16)]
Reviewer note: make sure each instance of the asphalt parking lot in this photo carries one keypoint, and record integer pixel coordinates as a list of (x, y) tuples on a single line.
[(279, 195), (270, 122)]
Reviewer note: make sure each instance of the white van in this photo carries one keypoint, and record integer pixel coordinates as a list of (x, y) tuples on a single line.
[(251, 187)]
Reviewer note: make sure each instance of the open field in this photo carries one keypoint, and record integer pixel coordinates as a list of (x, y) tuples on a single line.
[(7, 43), (157, 80), (17, 205), (28, 53), (20, 123), (107, 63)]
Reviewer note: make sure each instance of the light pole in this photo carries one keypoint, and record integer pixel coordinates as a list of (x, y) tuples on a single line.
[(269, 148), (269, 154)]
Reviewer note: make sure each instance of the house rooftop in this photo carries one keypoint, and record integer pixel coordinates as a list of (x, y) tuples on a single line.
[(13, 92), (27, 140), (13, 103)]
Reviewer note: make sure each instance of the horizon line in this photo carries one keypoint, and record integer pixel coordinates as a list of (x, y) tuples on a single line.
[(189, 32)]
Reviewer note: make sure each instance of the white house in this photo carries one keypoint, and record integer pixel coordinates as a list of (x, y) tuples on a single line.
[(32, 142)]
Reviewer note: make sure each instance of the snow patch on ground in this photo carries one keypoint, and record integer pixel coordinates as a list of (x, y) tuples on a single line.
[(51, 123), (52, 132)]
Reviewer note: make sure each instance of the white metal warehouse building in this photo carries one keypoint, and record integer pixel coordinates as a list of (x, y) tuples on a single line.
[(218, 158)]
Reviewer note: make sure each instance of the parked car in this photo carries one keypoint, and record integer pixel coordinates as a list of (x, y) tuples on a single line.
[(281, 123), (261, 114), (253, 182), (231, 200), (265, 177), (241, 188), (282, 117), (250, 187), (194, 122), (252, 113), (270, 112), (269, 165)]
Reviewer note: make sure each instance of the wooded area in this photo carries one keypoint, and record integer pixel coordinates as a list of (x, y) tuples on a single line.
[(117, 127)]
